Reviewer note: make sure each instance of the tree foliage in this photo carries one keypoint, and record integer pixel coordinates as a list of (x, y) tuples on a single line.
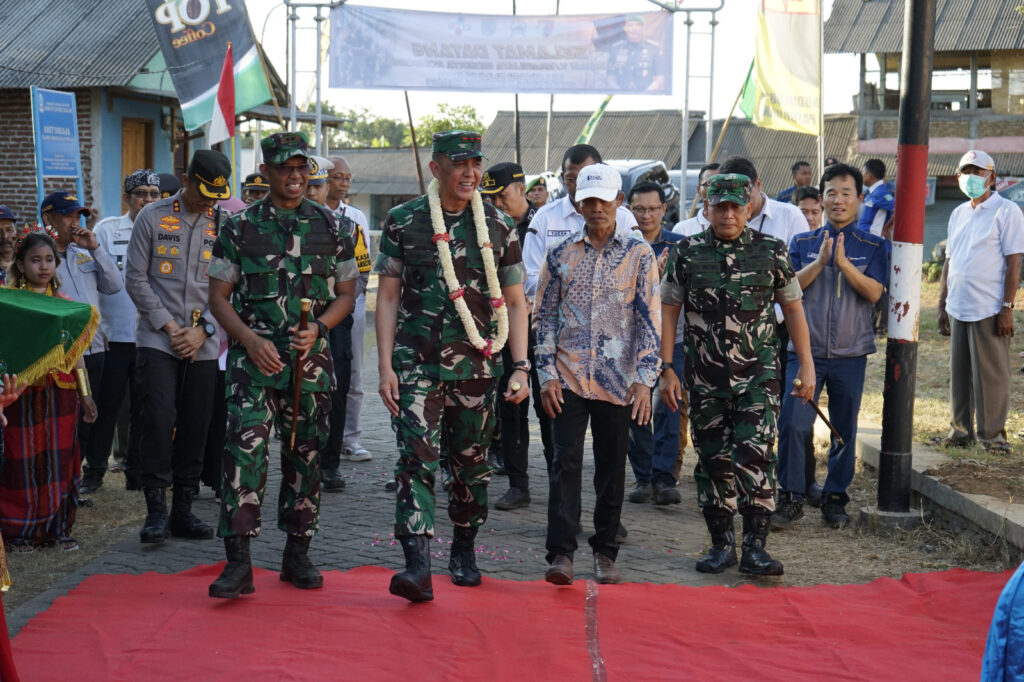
[(448, 117), (361, 129)]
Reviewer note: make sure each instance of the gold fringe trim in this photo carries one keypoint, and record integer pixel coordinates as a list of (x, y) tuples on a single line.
[(59, 359)]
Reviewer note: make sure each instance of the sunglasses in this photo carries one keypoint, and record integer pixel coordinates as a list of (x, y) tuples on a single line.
[(143, 194)]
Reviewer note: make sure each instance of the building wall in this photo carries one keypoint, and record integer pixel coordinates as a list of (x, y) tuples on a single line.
[(17, 154), (112, 110)]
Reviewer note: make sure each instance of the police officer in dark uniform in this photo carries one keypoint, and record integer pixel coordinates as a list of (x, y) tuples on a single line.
[(167, 279), (254, 188), (635, 63), (503, 184)]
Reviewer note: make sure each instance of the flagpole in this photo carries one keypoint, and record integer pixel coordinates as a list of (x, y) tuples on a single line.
[(234, 166), (821, 89)]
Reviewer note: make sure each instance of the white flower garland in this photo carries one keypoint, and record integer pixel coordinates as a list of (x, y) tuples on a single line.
[(457, 292)]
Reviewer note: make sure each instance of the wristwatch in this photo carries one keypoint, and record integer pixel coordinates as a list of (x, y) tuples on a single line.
[(523, 365), (1008, 304), (666, 365), (208, 327), (321, 329)]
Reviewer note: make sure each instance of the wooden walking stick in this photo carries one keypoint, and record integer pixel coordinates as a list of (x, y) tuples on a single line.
[(797, 384), (297, 392)]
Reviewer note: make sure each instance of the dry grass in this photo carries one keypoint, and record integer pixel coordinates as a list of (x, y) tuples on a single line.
[(115, 514), (931, 407)]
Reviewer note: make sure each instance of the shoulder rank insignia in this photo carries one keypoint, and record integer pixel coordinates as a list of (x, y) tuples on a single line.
[(176, 206)]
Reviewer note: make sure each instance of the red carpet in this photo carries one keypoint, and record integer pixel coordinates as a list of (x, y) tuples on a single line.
[(154, 627)]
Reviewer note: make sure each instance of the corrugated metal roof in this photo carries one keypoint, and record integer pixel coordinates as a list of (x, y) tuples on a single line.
[(874, 26), (389, 172), (773, 152), (74, 44), (618, 135)]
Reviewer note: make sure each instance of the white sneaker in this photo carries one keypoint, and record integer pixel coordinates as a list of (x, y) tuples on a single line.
[(356, 454)]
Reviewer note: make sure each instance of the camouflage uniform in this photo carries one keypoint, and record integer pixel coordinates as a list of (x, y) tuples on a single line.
[(442, 378), (727, 290), (275, 258)]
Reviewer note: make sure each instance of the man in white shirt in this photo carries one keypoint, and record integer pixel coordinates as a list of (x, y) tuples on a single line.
[(557, 220), (339, 180), (699, 222), (774, 218), (977, 288), (117, 320)]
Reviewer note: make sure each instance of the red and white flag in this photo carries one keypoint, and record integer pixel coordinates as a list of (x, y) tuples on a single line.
[(222, 127)]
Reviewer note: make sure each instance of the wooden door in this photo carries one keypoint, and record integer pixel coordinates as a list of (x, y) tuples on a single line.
[(136, 147)]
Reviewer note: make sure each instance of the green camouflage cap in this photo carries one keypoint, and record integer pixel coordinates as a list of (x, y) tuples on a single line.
[(731, 187), (280, 147), (458, 144)]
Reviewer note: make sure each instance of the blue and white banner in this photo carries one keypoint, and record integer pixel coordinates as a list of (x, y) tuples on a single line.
[(603, 54)]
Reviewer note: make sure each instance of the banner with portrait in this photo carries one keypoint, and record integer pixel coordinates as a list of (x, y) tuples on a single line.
[(373, 47)]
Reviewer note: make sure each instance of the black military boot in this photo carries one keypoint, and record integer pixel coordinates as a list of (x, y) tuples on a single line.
[(756, 560), (296, 567), (463, 560), (414, 582), (722, 554), (236, 578), (154, 529), (183, 523)]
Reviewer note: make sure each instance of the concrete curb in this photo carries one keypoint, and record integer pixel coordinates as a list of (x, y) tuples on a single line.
[(993, 516)]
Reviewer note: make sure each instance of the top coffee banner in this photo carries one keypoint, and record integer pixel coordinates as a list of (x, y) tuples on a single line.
[(404, 50)]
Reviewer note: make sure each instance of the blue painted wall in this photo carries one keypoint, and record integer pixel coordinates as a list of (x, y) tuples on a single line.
[(111, 187)]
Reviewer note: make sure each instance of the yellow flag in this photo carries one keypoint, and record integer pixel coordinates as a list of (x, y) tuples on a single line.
[(787, 66)]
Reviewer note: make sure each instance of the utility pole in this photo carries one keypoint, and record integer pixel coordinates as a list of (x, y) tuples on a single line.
[(895, 458)]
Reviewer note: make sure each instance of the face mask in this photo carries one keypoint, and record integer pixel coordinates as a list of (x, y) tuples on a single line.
[(973, 185)]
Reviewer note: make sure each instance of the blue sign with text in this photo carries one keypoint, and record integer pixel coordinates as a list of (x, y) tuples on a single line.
[(55, 124)]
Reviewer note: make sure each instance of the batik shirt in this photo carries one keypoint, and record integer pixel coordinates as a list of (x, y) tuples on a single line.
[(598, 317)]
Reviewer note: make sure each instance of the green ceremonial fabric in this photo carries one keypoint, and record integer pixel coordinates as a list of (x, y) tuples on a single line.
[(39, 333)]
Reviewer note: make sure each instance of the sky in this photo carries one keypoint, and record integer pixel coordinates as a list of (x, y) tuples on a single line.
[(734, 50)]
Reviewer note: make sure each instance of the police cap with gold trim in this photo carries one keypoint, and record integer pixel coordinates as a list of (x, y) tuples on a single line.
[(211, 170), (499, 176)]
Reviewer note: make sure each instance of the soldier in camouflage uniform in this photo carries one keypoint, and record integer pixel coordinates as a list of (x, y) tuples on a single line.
[(431, 376), (267, 258), (726, 280)]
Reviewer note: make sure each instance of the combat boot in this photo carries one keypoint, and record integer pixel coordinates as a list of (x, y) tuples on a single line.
[(154, 529), (414, 582), (236, 578), (296, 567), (463, 560), (722, 554), (183, 523), (756, 560)]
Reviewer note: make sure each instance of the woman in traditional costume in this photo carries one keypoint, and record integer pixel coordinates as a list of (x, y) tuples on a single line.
[(41, 461)]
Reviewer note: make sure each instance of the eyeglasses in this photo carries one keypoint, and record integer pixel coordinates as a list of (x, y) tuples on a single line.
[(143, 194), (286, 170), (644, 211)]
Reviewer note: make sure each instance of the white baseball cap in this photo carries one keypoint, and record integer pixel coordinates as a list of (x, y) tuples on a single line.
[(978, 158), (598, 180)]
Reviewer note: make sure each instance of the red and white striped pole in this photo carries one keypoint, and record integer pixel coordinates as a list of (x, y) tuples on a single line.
[(894, 462)]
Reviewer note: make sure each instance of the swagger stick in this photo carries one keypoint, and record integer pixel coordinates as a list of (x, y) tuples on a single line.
[(797, 384), (297, 392)]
